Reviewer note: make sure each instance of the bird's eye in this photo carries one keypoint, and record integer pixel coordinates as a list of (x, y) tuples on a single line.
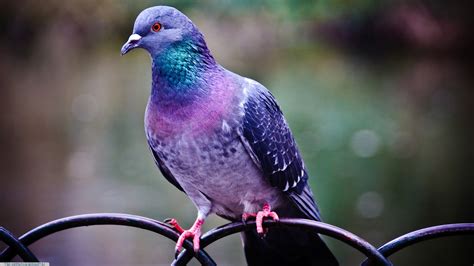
[(156, 27)]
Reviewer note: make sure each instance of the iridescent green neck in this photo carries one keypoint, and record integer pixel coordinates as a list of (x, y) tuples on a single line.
[(180, 68)]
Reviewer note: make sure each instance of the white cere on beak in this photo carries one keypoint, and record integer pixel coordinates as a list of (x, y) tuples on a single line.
[(134, 37)]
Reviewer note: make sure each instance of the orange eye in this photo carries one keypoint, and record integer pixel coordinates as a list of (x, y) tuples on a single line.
[(156, 27)]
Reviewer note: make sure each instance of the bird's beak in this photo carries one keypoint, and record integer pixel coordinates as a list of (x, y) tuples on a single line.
[(131, 43)]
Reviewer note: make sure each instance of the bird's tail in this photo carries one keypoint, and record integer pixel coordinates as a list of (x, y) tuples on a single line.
[(286, 246)]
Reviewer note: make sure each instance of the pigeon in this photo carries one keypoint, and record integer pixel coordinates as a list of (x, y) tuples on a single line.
[(222, 140)]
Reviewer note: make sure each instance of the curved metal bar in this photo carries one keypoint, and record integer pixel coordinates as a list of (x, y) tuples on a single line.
[(20, 249), (103, 219), (425, 234), (319, 227), (378, 257)]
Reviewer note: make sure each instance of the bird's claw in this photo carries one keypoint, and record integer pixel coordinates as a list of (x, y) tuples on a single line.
[(265, 212), (174, 223), (194, 232)]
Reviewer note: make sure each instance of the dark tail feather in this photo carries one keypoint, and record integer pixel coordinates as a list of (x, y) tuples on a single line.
[(286, 246)]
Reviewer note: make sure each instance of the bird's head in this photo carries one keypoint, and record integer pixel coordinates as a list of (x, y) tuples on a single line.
[(156, 28)]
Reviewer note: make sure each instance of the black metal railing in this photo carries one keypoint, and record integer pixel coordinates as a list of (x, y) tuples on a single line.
[(19, 246)]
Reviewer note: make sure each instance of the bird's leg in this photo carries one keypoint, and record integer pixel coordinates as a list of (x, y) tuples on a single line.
[(194, 232), (265, 212), (174, 223)]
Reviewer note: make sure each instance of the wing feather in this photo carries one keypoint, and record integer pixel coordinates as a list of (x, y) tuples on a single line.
[(163, 169), (271, 145)]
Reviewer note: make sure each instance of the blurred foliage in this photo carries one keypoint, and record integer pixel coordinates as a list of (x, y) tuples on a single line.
[(378, 94)]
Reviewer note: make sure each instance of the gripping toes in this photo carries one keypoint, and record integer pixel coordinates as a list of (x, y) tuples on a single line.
[(194, 232), (174, 224), (265, 212)]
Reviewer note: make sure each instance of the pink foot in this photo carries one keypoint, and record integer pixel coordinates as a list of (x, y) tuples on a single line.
[(174, 224), (266, 212), (193, 232)]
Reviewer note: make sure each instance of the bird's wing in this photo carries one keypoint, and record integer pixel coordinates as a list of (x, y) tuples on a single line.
[(164, 170), (271, 145)]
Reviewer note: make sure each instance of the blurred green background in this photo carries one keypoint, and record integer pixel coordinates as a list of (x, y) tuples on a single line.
[(379, 95)]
